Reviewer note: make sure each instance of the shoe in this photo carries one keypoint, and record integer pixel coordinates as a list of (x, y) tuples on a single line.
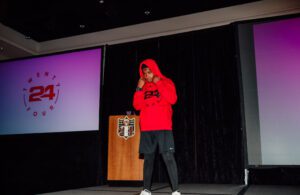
[(145, 192), (176, 193)]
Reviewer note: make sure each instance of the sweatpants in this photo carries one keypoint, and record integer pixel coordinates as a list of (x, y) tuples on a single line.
[(171, 165)]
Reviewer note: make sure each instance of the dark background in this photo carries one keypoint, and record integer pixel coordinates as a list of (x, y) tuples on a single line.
[(53, 19), (207, 120), (207, 115)]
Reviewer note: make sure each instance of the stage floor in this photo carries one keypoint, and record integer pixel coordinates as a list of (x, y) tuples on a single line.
[(189, 189), (159, 189), (272, 190)]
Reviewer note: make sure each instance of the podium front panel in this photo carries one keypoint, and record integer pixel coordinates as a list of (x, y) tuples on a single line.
[(124, 163)]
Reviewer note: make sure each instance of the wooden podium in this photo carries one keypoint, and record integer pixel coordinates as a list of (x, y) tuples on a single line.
[(123, 149)]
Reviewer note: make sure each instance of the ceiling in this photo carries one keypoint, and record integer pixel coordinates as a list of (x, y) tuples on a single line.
[(44, 20)]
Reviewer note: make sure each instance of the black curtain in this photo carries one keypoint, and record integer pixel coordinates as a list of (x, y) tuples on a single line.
[(206, 121)]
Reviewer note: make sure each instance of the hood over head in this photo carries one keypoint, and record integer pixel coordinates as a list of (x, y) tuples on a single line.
[(152, 65)]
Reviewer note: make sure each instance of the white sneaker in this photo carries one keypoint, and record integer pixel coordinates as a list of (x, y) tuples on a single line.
[(176, 193), (145, 192)]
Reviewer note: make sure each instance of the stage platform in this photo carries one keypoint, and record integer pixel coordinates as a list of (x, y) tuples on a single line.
[(272, 190), (159, 189), (188, 189)]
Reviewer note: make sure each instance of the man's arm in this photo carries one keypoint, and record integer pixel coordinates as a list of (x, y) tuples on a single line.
[(138, 99), (167, 90)]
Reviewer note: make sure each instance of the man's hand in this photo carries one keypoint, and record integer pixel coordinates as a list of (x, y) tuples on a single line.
[(156, 79), (141, 83)]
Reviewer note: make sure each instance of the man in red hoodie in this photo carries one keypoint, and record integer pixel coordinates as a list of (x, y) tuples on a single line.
[(154, 97)]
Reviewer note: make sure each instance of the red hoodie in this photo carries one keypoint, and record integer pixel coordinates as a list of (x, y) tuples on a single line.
[(155, 100)]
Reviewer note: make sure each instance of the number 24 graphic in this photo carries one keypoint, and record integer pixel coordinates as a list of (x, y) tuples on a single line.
[(39, 92)]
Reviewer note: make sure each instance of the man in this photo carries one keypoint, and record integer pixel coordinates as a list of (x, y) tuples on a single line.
[(154, 97)]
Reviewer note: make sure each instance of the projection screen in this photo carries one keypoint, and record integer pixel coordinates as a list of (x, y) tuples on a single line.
[(270, 67), (53, 93)]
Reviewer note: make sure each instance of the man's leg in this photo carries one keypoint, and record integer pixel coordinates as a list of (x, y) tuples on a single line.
[(172, 169), (148, 169)]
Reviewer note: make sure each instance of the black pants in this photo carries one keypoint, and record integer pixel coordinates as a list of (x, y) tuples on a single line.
[(171, 165)]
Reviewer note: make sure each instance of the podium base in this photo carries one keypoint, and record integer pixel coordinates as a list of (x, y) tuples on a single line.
[(122, 183)]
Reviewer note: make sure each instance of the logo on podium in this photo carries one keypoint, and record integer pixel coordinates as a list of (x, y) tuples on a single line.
[(126, 127)]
